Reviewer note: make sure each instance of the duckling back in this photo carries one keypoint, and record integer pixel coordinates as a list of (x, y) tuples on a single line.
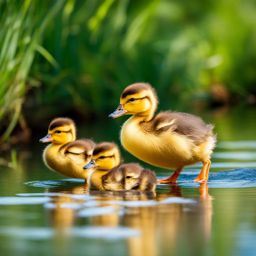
[(169, 140)]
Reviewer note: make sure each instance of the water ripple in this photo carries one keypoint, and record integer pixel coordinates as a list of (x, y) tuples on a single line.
[(43, 233), (237, 144), (12, 200), (234, 165), (235, 155), (238, 178), (97, 211), (109, 233), (54, 183)]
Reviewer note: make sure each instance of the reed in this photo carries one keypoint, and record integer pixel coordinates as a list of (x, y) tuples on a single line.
[(22, 26)]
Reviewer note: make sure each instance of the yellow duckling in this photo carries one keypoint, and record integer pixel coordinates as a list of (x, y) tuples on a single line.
[(108, 174), (168, 139), (65, 154)]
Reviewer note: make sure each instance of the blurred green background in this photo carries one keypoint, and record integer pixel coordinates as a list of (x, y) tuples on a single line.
[(71, 56)]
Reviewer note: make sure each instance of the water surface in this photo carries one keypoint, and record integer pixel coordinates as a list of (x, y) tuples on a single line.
[(45, 213)]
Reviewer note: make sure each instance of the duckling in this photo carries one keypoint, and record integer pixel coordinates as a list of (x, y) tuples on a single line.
[(130, 177), (169, 139), (106, 156), (108, 174), (65, 154)]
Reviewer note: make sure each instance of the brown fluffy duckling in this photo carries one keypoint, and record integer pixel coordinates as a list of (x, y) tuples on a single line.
[(108, 174), (65, 154), (169, 139), (130, 177)]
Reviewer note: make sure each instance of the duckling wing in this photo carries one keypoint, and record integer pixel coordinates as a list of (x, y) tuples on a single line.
[(185, 124), (79, 147), (74, 150)]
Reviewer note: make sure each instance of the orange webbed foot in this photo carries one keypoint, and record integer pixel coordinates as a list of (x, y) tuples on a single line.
[(167, 181), (172, 179)]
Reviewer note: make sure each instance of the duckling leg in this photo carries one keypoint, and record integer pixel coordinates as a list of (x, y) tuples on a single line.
[(173, 178), (203, 175)]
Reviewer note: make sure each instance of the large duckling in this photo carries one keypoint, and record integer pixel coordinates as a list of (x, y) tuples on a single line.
[(65, 154), (108, 174), (168, 139)]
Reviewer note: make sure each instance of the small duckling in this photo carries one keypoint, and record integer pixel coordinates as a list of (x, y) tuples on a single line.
[(169, 139), (108, 174), (65, 154), (130, 177), (106, 156)]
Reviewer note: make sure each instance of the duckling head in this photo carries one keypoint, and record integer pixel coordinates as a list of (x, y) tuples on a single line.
[(60, 131), (106, 156), (138, 99), (126, 177)]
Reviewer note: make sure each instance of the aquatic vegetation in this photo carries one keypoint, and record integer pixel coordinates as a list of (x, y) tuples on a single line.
[(12, 160)]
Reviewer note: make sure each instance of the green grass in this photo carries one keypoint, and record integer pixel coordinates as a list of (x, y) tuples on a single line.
[(22, 27)]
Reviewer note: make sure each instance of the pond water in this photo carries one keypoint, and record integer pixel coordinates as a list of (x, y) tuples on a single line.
[(44, 213)]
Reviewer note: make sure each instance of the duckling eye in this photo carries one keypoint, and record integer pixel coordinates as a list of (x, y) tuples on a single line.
[(58, 131), (128, 177), (102, 157), (131, 100)]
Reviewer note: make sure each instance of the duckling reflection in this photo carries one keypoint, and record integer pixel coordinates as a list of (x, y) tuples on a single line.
[(65, 154), (164, 226), (110, 197), (63, 218), (108, 174)]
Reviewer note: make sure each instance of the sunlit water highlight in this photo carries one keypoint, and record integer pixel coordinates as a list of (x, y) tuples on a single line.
[(39, 233)]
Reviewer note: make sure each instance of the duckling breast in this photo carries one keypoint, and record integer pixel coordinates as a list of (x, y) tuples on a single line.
[(167, 150), (56, 161)]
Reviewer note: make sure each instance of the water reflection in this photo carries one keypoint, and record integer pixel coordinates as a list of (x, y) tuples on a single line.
[(163, 225), (160, 222), (62, 215), (176, 221)]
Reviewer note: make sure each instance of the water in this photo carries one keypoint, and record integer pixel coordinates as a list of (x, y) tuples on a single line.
[(44, 213)]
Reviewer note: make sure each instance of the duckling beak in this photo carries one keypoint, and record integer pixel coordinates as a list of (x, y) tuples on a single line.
[(90, 165), (120, 111), (47, 138)]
